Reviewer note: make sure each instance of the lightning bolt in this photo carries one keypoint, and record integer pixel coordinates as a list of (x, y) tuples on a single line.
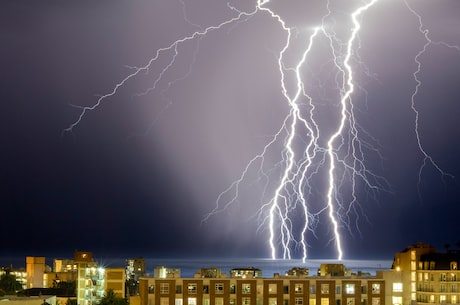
[(427, 159), (335, 154)]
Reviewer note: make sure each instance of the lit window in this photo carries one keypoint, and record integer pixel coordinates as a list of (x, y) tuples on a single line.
[(164, 301), (453, 265), (350, 301), (298, 301), (453, 299), (219, 301), (442, 298), (324, 288), (246, 301), (298, 288), (272, 288), (272, 301), (246, 288), (219, 288), (375, 301), (350, 288), (324, 301), (192, 288), (164, 288), (397, 301), (397, 287), (376, 288), (191, 301)]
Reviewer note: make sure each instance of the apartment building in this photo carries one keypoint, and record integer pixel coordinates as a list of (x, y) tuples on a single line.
[(253, 290), (426, 276)]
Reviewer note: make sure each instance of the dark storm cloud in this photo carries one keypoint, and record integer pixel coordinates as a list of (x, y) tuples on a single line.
[(101, 189)]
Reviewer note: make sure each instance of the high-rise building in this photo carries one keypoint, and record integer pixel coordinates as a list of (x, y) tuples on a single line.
[(90, 279)]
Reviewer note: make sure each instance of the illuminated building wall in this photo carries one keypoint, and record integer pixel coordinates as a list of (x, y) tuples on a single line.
[(115, 279), (35, 268), (279, 290), (90, 279)]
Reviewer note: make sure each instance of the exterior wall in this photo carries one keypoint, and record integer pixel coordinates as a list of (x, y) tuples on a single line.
[(351, 292), (376, 292), (273, 292), (299, 292), (219, 291), (115, 279), (35, 269), (263, 291)]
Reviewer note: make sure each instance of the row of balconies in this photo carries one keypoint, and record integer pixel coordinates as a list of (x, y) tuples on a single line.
[(441, 289)]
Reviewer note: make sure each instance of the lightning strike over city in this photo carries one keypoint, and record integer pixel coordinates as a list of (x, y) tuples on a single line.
[(308, 159)]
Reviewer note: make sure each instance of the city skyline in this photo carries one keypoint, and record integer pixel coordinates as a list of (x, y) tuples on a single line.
[(139, 173)]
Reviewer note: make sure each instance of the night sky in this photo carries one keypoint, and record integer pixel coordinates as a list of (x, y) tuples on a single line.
[(139, 173)]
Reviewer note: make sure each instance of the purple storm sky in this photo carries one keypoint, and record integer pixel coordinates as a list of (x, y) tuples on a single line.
[(138, 174)]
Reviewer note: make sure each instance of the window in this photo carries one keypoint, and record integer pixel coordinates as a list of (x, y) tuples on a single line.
[(191, 288), (219, 301), (349, 289), (151, 289), (298, 288), (232, 288), (286, 289), (205, 289), (164, 301), (376, 288), (350, 301), (453, 288), (179, 289), (442, 288), (453, 299), (375, 301), (219, 288), (191, 301), (298, 301), (397, 287), (246, 301), (164, 288), (396, 301), (246, 288), (324, 288), (453, 265), (442, 298), (272, 288), (272, 301), (324, 301)]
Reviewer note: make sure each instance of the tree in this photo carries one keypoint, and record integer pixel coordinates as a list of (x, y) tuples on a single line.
[(9, 284), (110, 298)]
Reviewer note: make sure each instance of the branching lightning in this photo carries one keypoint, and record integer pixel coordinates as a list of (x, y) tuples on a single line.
[(337, 153)]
